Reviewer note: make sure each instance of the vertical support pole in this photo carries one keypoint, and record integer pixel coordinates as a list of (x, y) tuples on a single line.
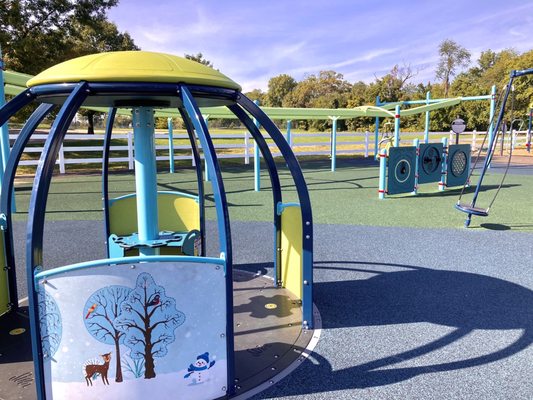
[(334, 144), (382, 174), (288, 136), (376, 132), (397, 126), (206, 120), (145, 177), (492, 111), (367, 140), (442, 183), (257, 160), (426, 126), (416, 143), (474, 140), (170, 145)]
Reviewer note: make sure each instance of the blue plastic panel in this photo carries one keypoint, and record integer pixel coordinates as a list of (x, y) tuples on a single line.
[(98, 321), (430, 162), (458, 164), (401, 170)]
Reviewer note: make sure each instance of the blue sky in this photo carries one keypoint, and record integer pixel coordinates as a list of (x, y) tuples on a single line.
[(252, 41)]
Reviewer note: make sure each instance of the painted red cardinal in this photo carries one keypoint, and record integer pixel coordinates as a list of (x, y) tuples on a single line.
[(91, 310), (154, 302)]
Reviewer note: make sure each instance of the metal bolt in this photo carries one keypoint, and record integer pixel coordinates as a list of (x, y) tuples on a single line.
[(223, 388), (307, 236), (306, 283), (222, 335), (308, 223), (132, 266), (217, 267)]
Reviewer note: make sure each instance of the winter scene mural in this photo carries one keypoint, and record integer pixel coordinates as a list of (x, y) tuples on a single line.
[(134, 331)]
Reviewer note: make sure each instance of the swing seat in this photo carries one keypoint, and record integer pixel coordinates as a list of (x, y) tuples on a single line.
[(469, 209)]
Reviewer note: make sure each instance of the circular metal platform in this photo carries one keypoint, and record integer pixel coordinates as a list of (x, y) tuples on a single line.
[(269, 340)]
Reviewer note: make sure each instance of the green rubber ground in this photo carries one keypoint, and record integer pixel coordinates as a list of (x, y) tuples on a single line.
[(347, 196)]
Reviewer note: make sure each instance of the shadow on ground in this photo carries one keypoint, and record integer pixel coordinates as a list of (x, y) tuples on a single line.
[(395, 294)]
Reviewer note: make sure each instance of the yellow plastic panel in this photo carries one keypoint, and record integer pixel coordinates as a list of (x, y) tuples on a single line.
[(176, 213), (292, 250), (4, 290), (133, 66)]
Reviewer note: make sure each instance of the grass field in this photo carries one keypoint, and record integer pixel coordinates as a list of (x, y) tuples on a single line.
[(347, 196)]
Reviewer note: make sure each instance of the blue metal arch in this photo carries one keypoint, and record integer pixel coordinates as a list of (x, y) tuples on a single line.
[(221, 204), (105, 172), (274, 180), (6, 199), (36, 216), (303, 196)]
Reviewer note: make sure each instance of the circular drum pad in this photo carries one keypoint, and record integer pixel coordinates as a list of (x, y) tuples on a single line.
[(402, 170), (459, 161), (431, 160)]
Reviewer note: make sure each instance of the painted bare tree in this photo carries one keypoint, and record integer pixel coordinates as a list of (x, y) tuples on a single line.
[(99, 314), (148, 319), (49, 323)]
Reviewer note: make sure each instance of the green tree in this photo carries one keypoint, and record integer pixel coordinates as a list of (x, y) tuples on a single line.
[(452, 57), (257, 94), (199, 58), (278, 87)]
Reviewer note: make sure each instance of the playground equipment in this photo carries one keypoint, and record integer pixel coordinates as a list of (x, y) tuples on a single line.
[(403, 169), (157, 299), (470, 208)]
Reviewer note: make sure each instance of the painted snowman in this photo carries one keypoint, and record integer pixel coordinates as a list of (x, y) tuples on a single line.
[(199, 370)]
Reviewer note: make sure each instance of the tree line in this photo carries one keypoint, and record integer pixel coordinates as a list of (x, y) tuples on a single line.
[(36, 34)]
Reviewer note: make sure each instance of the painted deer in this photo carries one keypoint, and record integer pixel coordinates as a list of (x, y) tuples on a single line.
[(91, 369)]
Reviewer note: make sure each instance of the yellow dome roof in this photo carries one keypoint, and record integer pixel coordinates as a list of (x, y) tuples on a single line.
[(133, 66)]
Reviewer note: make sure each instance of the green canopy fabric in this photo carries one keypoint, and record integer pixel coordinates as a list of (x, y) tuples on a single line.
[(16, 83)]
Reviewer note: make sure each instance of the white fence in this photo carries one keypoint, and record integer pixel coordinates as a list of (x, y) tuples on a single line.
[(242, 146)]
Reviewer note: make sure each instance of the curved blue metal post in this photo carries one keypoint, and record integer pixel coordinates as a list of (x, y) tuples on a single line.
[(207, 178), (36, 217), (304, 200), (105, 173), (274, 181), (397, 126), (221, 205), (426, 125), (145, 177), (6, 201), (198, 168), (170, 145), (257, 159), (333, 143)]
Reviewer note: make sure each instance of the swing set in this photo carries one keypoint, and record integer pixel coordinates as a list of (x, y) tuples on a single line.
[(470, 208)]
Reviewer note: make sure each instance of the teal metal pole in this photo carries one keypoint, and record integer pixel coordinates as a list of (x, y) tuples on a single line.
[(382, 174), (492, 111), (442, 183), (334, 144), (170, 145), (528, 140), (206, 120), (288, 136), (397, 126), (257, 160), (416, 143), (145, 177), (376, 133), (426, 127), (4, 138), (376, 139)]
